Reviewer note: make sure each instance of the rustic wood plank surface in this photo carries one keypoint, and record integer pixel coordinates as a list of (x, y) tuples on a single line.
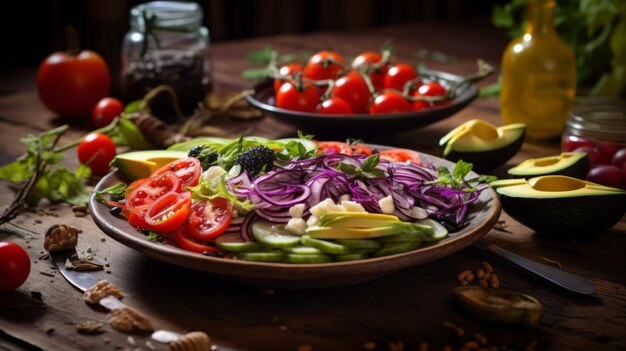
[(407, 307)]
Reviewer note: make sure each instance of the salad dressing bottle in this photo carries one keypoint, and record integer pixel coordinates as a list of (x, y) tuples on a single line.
[(538, 75)]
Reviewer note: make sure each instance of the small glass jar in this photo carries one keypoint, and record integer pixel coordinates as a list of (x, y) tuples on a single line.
[(597, 126), (167, 44)]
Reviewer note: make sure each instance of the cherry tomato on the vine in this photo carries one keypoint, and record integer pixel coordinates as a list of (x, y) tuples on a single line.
[(389, 102), (369, 62), (353, 89), (337, 146), (398, 75), (334, 106), (430, 89), (287, 70), (105, 111), (96, 150), (324, 65), (291, 98), (14, 266)]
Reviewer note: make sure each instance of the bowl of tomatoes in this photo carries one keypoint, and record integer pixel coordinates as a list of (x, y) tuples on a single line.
[(371, 95)]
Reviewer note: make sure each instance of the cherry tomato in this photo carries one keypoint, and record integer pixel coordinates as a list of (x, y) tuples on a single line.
[(324, 65), (400, 155), (134, 185), (209, 219), (72, 85), (361, 149), (430, 89), (353, 90), (14, 266), (105, 111), (367, 62), (187, 169), (287, 70), (137, 216), (96, 150), (152, 189), (389, 102), (338, 146), (168, 212), (189, 243), (291, 98), (334, 106), (398, 75)]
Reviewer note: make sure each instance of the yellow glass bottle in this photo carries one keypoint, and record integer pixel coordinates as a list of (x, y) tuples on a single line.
[(538, 75)]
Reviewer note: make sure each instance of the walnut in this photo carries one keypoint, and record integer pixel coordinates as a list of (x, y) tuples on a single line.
[(126, 319), (101, 290), (194, 341), (60, 237)]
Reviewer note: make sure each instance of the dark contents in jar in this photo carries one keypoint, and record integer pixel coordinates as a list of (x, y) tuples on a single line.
[(185, 74)]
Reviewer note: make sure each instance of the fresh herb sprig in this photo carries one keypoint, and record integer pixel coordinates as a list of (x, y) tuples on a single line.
[(367, 171), (115, 192), (456, 179)]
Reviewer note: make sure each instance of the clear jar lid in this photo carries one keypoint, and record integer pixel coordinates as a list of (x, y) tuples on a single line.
[(169, 14), (602, 118)]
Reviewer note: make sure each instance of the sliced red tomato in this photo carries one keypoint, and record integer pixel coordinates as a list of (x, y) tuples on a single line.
[(209, 219), (134, 185), (189, 243), (168, 212), (338, 146), (136, 216), (361, 149), (400, 155), (152, 189), (187, 169)]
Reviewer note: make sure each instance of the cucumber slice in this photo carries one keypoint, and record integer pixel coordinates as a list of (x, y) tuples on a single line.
[(319, 258), (273, 235), (351, 257), (325, 246), (393, 249), (275, 256), (439, 232), (249, 246), (359, 243), (414, 236), (302, 250), (308, 144)]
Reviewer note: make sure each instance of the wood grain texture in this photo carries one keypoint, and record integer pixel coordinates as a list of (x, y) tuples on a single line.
[(408, 306)]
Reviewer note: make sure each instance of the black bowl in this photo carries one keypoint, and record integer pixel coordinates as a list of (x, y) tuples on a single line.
[(363, 124)]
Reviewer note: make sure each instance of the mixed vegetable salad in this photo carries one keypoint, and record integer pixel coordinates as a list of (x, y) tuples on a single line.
[(296, 200)]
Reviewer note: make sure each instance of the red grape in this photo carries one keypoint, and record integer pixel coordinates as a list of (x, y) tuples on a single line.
[(572, 143), (595, 157), (608, 150), (619, 159), (608, 175)]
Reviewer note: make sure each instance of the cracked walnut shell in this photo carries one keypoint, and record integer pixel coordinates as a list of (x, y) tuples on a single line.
[(60, 237), (126, 319), (101, 290)]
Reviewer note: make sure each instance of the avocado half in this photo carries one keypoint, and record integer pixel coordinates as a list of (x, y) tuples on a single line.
[(483, 144), (141, 164), (561, 206), (571, 164)]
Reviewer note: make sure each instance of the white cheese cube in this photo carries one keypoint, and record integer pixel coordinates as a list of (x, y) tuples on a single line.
[(386, 205), (213, 172), (346, 197), (324, 207), (296, 226), (352, 206), (296, 211)]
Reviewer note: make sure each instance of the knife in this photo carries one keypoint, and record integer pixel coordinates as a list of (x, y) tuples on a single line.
[(557, 276), (85, 280)]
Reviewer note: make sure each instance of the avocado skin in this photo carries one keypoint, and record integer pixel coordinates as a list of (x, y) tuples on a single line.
[(487, 160), (575, 217), (577, 170)]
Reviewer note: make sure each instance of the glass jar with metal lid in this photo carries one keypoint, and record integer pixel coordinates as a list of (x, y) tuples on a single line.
[(597, 126), (167, 44)]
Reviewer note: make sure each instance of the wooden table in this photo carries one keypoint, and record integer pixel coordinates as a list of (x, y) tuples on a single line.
[(408, 307)]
